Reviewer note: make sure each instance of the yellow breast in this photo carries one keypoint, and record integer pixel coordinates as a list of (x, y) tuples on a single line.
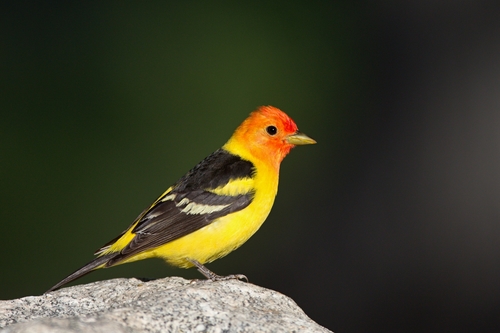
[(226, 233)]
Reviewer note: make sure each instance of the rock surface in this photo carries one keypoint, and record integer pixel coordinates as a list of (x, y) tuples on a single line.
[(164, 305)]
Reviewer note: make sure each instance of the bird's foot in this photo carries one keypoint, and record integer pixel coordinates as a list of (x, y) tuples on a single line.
[(214, 277)]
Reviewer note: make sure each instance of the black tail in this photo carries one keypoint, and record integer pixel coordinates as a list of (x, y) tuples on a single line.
[(84, 270)]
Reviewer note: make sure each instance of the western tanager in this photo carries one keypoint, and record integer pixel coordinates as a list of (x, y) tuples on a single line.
[(215, 207)]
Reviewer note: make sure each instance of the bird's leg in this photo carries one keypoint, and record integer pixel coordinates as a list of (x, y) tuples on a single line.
[(214, 277)]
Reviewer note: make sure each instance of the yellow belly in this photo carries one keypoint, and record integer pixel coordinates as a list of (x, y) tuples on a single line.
[(221, 236)]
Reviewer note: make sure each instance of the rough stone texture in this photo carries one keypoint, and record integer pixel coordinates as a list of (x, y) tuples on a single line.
[(165, 305)]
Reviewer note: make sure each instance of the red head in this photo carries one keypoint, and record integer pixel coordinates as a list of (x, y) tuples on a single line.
[(268, 134)]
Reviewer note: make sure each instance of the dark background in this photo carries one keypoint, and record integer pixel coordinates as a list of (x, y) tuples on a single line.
[(391, 223)]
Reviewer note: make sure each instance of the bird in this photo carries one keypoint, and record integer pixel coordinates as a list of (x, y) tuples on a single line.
[(215, 207)]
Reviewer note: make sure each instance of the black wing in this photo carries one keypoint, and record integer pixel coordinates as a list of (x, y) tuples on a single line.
[(191, 204)]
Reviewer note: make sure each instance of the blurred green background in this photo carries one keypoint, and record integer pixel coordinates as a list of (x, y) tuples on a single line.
[(389, 224)]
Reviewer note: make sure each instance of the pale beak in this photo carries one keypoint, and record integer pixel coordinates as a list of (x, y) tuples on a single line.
[(299, 139)]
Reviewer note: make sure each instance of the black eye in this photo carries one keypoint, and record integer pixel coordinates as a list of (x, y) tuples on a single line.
[(271, 130)]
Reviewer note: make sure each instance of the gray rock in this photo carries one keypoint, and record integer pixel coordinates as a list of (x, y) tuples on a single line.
[(164, 305), (65, 325)]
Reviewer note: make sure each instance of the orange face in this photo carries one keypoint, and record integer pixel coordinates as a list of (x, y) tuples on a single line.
[(270, 134)]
